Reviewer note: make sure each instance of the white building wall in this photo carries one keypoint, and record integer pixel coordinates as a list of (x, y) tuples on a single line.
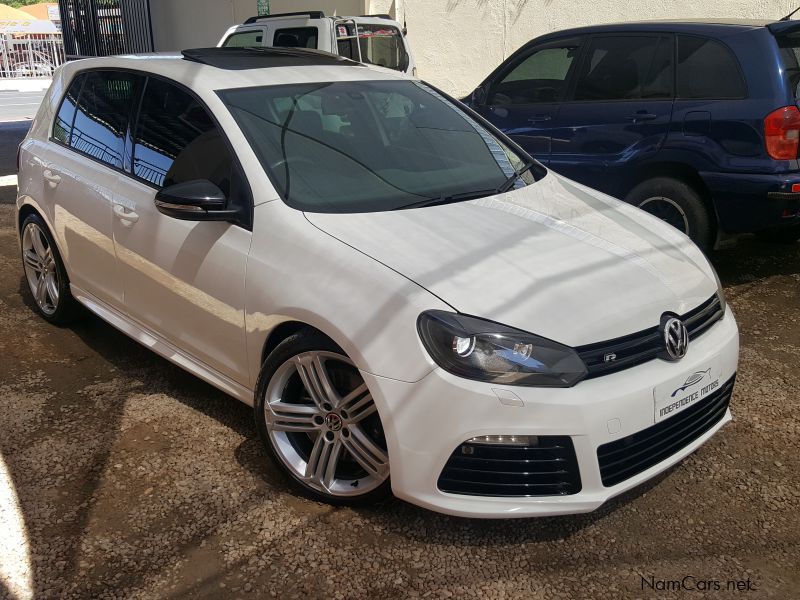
[(179, 24), (456, 43)]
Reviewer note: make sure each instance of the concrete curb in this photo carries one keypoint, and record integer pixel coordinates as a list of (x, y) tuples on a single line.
[(24, 85)]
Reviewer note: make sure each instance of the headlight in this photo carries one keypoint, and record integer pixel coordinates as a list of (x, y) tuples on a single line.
[(487, 351)]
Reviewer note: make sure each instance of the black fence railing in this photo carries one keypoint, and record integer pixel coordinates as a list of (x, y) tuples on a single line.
[(105, 27)]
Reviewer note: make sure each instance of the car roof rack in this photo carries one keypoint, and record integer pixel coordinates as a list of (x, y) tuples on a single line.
[(240, 59), (380, 16), (311, 14)]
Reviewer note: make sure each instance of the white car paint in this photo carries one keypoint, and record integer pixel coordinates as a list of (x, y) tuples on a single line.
[(554, 258)]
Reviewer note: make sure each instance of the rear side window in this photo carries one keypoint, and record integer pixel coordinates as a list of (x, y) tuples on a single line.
[(101, 119), (707, 69), (245, 39), (296, 37), (539, 77), (176, 140), (66, 113), (626, 68), (790, 57)]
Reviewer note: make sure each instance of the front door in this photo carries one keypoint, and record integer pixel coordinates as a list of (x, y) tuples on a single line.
[(619, 113), (182, 279), (524, 99)]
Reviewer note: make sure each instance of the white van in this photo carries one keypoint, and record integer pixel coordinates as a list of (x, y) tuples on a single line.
[(372, 39)]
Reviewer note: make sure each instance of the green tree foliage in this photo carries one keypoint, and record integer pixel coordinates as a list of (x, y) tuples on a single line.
[(18, 3)]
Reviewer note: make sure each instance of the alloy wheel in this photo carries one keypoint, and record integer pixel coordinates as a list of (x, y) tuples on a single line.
[(40, 268), (324, 425)]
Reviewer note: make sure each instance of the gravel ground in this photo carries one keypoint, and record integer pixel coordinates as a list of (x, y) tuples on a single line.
[(136, 480)]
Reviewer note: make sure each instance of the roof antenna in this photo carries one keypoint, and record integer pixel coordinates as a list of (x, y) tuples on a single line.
[(790, 15)]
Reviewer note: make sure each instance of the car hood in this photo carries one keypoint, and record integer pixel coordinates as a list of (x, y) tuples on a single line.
[(554, 258)]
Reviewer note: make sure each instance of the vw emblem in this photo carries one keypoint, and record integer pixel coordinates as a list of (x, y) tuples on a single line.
[(333, 421), (676, 338)]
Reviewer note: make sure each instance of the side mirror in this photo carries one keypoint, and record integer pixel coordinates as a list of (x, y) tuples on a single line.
[(478, 97), (195, 200)]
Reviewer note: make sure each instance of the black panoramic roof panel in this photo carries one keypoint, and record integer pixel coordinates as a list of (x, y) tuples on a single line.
[(239, 59)]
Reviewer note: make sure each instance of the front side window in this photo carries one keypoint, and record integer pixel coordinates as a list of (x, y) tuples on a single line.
[(102, 115), (296, 37), (176, 140), (539, 77), (382, 46), (66, 113), (707, 69), (245, 39), (626, 68), (369, 145)]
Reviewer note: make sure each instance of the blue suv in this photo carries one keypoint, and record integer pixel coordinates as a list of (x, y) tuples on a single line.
[(696, 122)]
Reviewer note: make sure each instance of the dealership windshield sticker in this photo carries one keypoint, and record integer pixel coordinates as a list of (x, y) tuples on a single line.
[(677, 395)]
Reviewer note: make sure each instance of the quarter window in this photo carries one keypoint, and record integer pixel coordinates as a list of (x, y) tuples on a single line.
[(66, 113), (707, 69), (176, 140), (540, 77), (101, 119), (296, 37), (245, 39), (626, 68)]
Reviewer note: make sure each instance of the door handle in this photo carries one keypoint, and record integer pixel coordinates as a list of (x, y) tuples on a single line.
[(125, 214), (642, 116), (540, 118), (51, 177)]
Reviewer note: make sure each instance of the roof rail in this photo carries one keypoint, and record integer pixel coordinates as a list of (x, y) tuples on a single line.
[(380, 16), (311, 14)]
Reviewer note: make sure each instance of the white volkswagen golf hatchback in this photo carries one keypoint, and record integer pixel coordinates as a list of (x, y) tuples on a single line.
[(409, 302)]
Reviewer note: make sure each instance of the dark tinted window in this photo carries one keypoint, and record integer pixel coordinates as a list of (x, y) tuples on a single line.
[(538, 77), (101, 120), (296, 37), (790, 57), (707, 69), (176, 140), (365, 146), (626, 68), (63, 123), (346, 41)]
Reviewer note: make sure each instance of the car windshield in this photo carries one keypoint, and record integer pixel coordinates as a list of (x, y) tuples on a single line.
[(366, 146), (382, 46)]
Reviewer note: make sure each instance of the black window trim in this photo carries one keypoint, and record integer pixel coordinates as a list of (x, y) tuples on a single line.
[(570, 96), (521, 55), (731, 53), (133, 122)]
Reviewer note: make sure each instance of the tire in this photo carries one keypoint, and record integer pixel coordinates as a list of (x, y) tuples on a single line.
[(782, 235), (677, 203), (319, 422), (45, 273)]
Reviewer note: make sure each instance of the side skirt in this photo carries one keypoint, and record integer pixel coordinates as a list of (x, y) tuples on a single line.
[(160, 346)]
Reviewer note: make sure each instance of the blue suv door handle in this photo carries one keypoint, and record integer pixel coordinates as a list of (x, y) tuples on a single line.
[(642, 115), (539, 118)]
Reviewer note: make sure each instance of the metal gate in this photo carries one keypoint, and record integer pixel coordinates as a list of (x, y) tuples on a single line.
[(104, 27)]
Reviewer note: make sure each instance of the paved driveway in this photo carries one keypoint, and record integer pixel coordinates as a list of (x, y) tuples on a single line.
[(19, 106), (134, 479)]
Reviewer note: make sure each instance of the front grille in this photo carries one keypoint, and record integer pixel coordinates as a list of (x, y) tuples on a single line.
[(549, 468), (640, 347), (629, 456)]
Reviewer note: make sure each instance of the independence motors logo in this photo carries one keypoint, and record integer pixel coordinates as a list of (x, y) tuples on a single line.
[(685, 395)]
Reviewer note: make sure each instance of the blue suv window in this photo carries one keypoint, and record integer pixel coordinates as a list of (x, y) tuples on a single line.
[(708, 69), (626, 68), (541, 76)]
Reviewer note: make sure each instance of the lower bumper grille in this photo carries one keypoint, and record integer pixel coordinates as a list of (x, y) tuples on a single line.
[(549, 468), (629, 456)]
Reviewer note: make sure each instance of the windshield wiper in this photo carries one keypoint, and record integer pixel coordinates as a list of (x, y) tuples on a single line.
[(509, 183), (448, 199)]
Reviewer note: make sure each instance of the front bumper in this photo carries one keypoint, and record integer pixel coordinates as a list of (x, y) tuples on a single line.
[(425, 421)]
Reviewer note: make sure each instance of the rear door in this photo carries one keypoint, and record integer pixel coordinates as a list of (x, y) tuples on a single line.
[(619, 110), (524, 97), (89, 150)]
